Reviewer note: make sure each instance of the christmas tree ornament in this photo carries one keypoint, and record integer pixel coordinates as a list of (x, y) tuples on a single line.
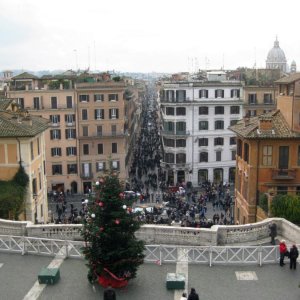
[(101, 204), (101, 228), (97, 183), (124, 206), (86, 201), (121, 195), (93, 216), (117, 221)]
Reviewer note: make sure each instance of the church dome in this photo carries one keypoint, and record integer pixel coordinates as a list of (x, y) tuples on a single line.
[(276, 54)]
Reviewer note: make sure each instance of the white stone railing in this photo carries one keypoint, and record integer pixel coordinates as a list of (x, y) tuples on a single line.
[(158, 234)]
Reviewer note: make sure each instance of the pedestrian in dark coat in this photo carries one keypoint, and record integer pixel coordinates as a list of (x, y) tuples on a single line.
[(109, 294), (193, 295), (273, 233), (294, 253)]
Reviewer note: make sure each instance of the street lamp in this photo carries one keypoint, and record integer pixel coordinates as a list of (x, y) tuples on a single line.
[(35, 208)]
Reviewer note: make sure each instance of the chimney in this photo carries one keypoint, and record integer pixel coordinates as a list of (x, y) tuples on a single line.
[(265, 124), (27, 121)]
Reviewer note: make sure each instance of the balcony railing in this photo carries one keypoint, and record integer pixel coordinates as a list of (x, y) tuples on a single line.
[(176, 133), (283, 174), (86, 176)]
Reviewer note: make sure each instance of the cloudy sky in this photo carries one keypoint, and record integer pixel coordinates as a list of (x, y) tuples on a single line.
[(145, 36)]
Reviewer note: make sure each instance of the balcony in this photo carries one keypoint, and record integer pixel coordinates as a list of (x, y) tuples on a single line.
[(176, 133), (86, 176), (283, 174), (70, 124)]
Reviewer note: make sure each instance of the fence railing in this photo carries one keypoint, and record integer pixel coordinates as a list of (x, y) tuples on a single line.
[(159, 254)]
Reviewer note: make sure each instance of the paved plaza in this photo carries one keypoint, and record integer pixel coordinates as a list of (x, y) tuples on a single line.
[(18, 275)]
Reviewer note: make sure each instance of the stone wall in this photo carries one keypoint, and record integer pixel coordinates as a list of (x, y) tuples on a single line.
[(156, 234)]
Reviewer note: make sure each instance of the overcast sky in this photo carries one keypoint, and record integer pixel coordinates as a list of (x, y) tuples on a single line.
[(145, 35)]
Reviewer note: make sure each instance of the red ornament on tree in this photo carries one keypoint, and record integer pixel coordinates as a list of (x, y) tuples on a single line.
[(121, 195), (101, 228), (101, 204), (117, 221), (101, 180)]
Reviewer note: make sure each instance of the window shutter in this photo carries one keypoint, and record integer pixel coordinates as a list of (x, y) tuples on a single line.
[(95, 98), (51, 117), (104, 165), (59, 151), (206, 93), (110, 113), (216, 93), (87, 98), (66, 118), (52, 152), (95, 111), (51, 135), (75, 150), (59, 136), (102, 114), (58, 118), (118, 165), (117, 113), (66, 132), (231, 93), (74, 118), (67, 151), (238, 93), (222, 93)]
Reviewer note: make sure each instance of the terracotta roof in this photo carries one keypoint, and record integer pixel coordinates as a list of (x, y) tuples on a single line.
[(288, 79), (25, 75), (17, 125), (249, 127), (4, 103)]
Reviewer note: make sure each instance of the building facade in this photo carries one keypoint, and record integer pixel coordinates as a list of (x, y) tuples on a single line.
[(197, 144), (22, 141), (87, 125), (268, 152)]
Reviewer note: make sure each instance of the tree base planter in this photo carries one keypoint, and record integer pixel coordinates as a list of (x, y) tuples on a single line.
[(109, 281), (49, 276), (175, 281)]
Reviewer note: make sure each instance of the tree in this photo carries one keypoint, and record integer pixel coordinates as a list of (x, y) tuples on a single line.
[(112, 250), (286, 206)]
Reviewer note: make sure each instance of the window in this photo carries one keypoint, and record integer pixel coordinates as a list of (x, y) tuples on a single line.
[(268, 98), (72, 168), (84, 114), (233, 154), (100, 166), (113, 97), (115, 165), (99, 114), (203, 125), (56, 151), (203, 94), (20, 102), (233, 122), (180, 158), (56, 169), (246, 152), (203, 157), (232, 140), (203, 110), (31, 150), (98, 97), (70, 119), (114, 113), (180, 143), (114, 148), (282, 190), (38, 146), (170, 111), (203, 142), (99, 130), (234, 110), (252, 99), (84, 98), (235, 93), (267, 155), (180, 127), (36, 103), (86, 170), (169, 142), (70, 151), (169, 158), (169, 95), (86, 149), (55, 134), (219, 141), (69, 102), (219, 110), (34, 188), (169, 126), (180, 95), (85, 130), (180, 111), (54, 102), (40, 180), (70, 133), (219, 124), (219, 93), (100, 148), (113, 130), (55, 119), (252, 113), (239, 148), (218, 155)]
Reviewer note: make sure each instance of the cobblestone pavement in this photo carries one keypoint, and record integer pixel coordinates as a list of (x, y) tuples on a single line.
[(269, 282)]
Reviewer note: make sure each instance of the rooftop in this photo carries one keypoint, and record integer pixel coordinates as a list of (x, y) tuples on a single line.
[(250, 127), (289, 79)]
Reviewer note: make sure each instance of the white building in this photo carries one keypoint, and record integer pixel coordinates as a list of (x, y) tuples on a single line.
[(195, 118)]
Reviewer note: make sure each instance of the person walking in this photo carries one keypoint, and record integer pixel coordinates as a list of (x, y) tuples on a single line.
[(294, 253), (282, 251), (273, 232), (193, 295)]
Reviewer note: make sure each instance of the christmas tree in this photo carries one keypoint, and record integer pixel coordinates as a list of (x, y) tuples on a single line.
[(111, 248)]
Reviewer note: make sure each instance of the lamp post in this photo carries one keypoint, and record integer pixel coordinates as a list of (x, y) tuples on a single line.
[(35, 208)]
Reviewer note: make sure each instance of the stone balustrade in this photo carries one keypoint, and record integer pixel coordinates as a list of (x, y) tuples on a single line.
[(159, 234)]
